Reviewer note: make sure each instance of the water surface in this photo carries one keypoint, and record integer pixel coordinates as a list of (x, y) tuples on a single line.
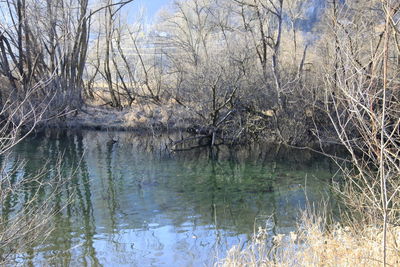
[(138, 204)]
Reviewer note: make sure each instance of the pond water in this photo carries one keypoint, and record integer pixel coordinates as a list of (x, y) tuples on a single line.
[(138, 204)]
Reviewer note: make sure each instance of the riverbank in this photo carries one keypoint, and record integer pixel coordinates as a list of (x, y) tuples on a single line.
[(140, 118), (150, 118)]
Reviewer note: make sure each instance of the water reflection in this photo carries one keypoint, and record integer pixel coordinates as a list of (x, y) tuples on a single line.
[(138, 204)]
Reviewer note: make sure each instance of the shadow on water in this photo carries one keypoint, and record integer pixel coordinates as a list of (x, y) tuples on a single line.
[(136, 203)]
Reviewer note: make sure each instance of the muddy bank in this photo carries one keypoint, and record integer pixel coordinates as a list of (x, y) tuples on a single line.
[(288, 128)]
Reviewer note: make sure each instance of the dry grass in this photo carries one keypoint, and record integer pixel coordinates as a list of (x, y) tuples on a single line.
[(315, 244), (141, 115)]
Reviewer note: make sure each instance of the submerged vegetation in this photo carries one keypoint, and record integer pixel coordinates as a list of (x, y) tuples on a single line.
[(287, 71)]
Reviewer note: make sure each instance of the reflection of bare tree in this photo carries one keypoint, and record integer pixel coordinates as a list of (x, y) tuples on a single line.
[(111, 191), (63, 239), (86, 204)]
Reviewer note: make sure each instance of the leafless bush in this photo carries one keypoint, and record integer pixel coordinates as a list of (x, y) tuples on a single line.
[(363, 103), (29, 222)]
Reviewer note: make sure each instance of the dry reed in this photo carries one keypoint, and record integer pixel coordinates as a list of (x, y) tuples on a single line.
[(317, 244)]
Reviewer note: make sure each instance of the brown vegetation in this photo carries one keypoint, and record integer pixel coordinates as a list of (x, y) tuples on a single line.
[(240, 68)]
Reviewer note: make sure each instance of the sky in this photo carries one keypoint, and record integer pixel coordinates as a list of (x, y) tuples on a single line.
[(151, 7)]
